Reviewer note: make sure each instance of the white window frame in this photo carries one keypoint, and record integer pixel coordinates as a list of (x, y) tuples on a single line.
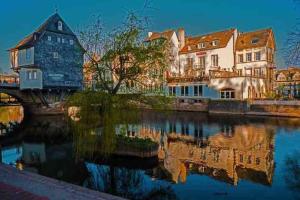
[(71, 42), (249, 59), (58, 39), (256, 57), (55, 55), (215, 60), (49, 38), (241, 58), (227, 94), (63, 40), (34, 72), (199, 89), (201, 45), (214, 43), (202, 61), (29, 75), (59, 26)]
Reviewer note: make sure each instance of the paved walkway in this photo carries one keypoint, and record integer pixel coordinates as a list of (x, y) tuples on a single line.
[(15, 184)]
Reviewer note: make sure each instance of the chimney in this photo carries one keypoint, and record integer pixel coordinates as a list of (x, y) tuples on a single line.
[(149, 34), (181, 37)]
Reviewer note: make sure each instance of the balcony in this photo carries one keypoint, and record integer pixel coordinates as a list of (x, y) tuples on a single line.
[(187, 78), (227, 74), (195, 67)]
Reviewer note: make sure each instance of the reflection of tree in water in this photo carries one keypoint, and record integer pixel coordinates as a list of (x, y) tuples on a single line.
[(127, 183), (292, 174)]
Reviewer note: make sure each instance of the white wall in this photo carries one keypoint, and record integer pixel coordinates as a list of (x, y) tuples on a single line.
[(225, 57), (241, 86), (253, 64)]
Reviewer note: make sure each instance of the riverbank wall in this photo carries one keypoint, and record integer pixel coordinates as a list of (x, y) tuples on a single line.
[(239, 107), (42, 187)]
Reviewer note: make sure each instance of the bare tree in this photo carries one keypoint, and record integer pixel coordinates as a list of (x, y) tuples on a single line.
[(122, 55), (292, 52)]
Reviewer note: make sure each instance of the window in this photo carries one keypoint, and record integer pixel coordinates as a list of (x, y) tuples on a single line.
[(214, 60), (189, 48), (249, 160), (62, 40), (55, 55), (71, 42), (184, 91), (172, 91), (254, 40), (202, 62), (198, 90), (28, 54), (34, 74), (49, 38), (215, 43), (241, 58), (58, 39), (249, 57), (257, 161), (227, 94), (59, 26), (29, 75), (201, 45), (190, 61), (240, 72), (257, 55), (257, 71), (241, 158)]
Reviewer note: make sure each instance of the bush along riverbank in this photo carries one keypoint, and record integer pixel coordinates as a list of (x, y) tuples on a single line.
[(134, 146)]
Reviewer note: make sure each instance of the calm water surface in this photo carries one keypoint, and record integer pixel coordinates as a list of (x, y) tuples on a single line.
[(200, 156)]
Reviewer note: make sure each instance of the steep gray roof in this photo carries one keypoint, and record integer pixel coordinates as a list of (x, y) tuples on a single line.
[(49, 25)]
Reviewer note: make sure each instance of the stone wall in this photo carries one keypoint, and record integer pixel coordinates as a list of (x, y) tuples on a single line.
[(227, 106), (275, 109)]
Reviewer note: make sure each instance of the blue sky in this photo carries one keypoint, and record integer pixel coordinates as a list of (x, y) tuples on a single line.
[(21, 17)]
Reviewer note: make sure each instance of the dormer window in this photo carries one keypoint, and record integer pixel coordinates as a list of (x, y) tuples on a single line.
[(201, 45), (189, 48), (214, 43), (254, 40), (59, 26)]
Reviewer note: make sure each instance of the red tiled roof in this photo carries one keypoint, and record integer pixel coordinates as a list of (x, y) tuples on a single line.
[(156, 35), (245, 40), (221, 37)]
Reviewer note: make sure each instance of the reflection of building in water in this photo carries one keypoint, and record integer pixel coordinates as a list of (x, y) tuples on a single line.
[(10, 116), (235, 152)]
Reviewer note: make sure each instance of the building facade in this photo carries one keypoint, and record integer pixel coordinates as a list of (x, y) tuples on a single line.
[(287, 82), (49, 58), (226, 64)]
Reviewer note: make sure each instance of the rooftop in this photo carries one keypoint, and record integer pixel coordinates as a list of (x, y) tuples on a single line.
[(254, 39), (208, 41)]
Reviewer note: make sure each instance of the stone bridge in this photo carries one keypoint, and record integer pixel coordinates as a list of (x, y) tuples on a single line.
[(37, 101)]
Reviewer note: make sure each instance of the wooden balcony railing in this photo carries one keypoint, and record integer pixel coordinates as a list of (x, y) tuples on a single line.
[(183, 79)]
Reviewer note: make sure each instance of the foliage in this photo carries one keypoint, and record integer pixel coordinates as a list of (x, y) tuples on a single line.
[(292, 49), (135, 143), (122, 56)]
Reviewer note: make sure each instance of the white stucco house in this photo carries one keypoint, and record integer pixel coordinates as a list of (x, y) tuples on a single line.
[(225, 64)]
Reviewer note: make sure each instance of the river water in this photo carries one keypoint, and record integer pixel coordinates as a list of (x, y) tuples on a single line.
[(200, 156)]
